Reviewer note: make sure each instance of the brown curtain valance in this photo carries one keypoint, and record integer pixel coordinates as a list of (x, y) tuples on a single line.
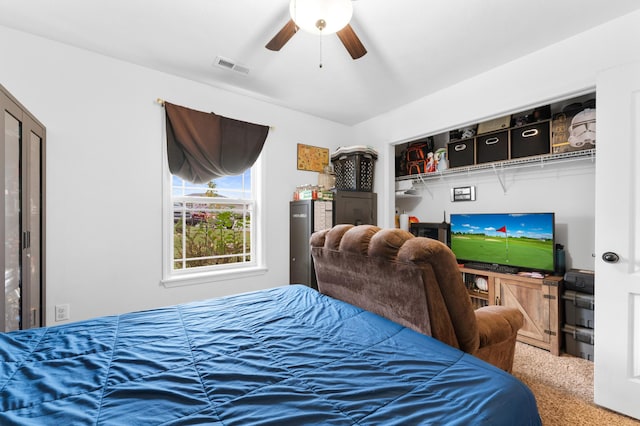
[(202, 146)]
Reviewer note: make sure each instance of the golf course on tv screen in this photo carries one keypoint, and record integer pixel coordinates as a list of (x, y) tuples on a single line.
[(522, 240)]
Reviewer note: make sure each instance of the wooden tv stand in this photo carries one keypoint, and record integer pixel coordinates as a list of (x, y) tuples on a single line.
[(537, 298)]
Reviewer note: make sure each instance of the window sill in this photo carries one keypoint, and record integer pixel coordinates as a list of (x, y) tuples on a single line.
[(209, 277)]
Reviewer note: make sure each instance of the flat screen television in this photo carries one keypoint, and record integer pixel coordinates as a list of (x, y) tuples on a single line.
[(515, 241)]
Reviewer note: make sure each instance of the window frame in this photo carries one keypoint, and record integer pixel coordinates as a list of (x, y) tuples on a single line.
[(257, 266)]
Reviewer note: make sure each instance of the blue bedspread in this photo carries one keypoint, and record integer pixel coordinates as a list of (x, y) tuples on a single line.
[(285, 356)]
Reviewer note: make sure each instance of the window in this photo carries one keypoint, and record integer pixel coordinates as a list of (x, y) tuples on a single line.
[(212, 228)]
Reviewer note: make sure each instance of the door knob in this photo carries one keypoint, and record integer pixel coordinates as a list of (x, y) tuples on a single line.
[(610, 257)]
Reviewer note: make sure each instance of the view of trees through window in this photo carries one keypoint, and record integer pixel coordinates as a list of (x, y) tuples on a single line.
[(212, 225)]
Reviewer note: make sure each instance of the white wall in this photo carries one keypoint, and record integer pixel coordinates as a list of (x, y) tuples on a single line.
[(104, 173), (104, 153), (565, 189), (557, 72)]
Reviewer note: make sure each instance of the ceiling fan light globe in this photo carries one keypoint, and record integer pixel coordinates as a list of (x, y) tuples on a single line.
[(335, 15)]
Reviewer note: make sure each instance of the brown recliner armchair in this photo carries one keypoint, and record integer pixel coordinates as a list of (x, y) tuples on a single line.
[(415, 282)]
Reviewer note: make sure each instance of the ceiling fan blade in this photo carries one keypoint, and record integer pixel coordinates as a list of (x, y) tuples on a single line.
[(283, 36), (351, 42)]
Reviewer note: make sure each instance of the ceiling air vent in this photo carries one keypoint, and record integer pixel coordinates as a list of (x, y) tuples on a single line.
[(232, 65)]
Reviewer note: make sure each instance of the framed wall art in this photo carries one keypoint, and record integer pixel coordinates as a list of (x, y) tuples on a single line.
[(312, 158)]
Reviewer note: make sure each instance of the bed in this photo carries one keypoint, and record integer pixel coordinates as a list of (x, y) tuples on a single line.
[(286, 356)]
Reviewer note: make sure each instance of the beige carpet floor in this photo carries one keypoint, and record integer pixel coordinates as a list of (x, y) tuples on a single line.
[(563, 387)]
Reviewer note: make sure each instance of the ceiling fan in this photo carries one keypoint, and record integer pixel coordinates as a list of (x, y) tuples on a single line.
[(320, 17)]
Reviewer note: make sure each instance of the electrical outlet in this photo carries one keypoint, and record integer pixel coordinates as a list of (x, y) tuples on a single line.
[(63, 312)]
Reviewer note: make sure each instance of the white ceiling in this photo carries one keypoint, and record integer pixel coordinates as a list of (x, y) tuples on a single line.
[(415, 47)]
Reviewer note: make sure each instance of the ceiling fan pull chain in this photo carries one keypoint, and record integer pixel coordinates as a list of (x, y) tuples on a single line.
[(321, 50), (321, 24)]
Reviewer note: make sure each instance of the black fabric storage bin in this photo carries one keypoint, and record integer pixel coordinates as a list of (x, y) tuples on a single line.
[(492, 147), (534, 139), (461, 153)]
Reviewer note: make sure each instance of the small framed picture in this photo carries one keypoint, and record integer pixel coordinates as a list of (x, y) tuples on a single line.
[(312, 158)]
